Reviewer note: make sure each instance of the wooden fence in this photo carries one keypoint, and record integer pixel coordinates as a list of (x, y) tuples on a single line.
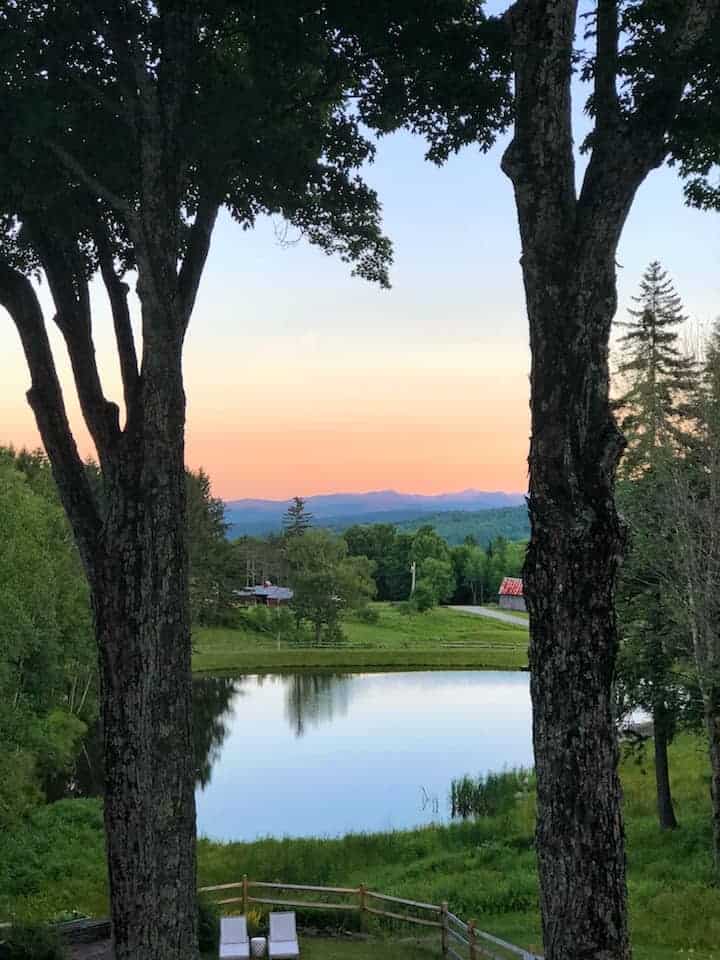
[(458, 939)]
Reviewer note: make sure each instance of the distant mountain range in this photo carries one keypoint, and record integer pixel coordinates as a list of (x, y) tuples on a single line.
[(341, 510)]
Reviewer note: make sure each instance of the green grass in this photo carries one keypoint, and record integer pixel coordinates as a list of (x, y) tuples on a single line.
[(316, 948), (438, 639), (485, 869), (343, 949), (520, 614)]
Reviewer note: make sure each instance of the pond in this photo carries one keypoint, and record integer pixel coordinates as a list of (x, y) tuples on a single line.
[(321, 754)]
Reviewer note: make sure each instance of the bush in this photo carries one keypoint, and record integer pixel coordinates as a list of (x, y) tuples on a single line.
[(368, 614), (32, 942), (424, 597), (208, 926)]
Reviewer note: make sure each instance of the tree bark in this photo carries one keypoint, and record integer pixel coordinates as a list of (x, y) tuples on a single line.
[(142, 622), (711, 696), (665, 808), (569, 243), (570, 571), (568, 251)]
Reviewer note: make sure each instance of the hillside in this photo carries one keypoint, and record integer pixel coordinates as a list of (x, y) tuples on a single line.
[(455, 525), (338, 511)]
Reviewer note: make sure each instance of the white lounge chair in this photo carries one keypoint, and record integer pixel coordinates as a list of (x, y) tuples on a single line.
[(282, 942), (234, 940)]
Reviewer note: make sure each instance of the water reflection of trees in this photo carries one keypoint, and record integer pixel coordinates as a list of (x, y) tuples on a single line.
[(315, 698), (212, 711)]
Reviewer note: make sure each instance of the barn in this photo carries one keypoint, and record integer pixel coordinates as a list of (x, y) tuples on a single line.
[(511, 596), (266, 595)]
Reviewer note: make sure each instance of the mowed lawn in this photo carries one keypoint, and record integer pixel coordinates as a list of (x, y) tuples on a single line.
[(441, 639), (344, 948)]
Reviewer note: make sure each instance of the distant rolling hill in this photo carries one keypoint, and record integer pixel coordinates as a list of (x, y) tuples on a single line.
[(455, 525), (338, 511)]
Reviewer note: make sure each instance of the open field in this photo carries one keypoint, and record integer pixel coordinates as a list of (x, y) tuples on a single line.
[(485, 868), (439, 639)]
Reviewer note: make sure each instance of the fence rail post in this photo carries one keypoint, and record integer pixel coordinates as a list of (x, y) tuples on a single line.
[(362, 897), (473, 940), (244, 894), (444, 927)]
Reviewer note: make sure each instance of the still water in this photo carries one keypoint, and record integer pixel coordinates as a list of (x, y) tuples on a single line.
[(320, 754)]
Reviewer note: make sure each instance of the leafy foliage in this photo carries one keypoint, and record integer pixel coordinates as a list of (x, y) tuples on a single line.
[(213, 575), (47, 655), (208, 926), (32, 942), (326, 580)]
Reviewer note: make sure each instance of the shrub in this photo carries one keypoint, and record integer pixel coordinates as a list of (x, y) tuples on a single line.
[(32, 942), (208, 926), (368, 614), (424, 597)]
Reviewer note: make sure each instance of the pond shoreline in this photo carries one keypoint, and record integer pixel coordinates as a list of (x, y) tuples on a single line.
[(442, 639)]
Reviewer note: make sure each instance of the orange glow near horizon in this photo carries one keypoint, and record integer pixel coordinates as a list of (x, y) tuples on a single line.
[(272, 435)]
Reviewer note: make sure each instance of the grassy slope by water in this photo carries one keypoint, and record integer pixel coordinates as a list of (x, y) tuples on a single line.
[(440, 638), (485, 869)]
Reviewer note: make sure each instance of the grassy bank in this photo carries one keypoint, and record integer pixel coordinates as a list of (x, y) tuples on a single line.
[(439, 639), (485, 869)]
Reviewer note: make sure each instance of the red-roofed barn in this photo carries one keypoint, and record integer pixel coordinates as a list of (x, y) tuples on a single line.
[(511, 594)]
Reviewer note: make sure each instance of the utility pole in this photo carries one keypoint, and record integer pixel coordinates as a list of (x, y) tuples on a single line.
[(413, 570)]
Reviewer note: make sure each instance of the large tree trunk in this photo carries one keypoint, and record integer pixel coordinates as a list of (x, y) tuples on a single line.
[(574, 551), (712, 722), (666, 811), (569, 243), (140, 601)]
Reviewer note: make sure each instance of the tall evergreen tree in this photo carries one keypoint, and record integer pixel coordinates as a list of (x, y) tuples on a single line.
[(296, 518), (657, 375), (658, 378)]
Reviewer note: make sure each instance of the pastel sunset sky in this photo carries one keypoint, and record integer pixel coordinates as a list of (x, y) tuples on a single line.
[(301, 379)]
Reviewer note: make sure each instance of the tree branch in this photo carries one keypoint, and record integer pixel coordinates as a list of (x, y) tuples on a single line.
[(88, 180), (69, 290), (46, 400), (117, 292), (662, 98), (624, 155), (607, 103), (540, 160), (196, 255)]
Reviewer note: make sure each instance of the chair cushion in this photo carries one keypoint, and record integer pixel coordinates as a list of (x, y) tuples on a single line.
[(233, 930), (234, 951), (283, 949)]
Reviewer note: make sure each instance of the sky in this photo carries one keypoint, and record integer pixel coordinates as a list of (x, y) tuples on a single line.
[(301, 379)]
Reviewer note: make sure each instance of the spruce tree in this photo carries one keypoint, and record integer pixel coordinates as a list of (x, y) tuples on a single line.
[(296, 518), (654, 414), (655, 372)]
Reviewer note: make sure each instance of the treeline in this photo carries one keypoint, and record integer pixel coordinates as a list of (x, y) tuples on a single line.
[(483, 526), (467, 573), (669, 494)]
